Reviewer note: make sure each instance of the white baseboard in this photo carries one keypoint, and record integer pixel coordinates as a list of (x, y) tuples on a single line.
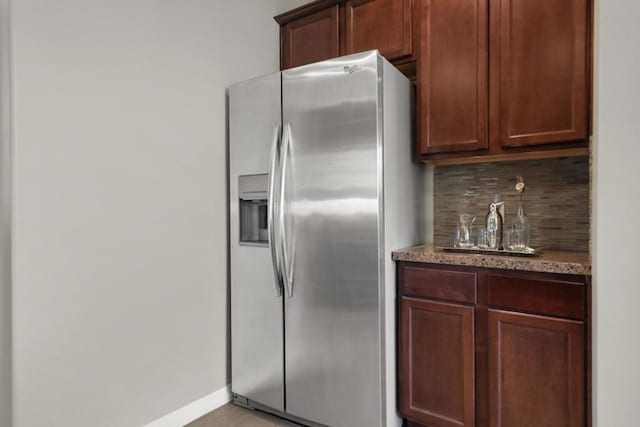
[(194, 410)]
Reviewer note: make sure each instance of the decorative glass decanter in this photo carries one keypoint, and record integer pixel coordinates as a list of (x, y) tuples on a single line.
[(520, 231)]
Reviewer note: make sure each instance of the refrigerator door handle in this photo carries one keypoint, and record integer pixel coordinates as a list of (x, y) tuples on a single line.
[(274, 238), (287, 266)]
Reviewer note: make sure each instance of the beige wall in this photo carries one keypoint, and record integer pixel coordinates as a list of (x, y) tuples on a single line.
[(617, 203), (5, 226), (120, 268)]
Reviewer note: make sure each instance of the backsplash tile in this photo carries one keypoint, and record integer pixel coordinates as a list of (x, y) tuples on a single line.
[(556, 198)]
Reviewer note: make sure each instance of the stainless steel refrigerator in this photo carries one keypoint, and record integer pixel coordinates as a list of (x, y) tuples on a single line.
[(322, 189)]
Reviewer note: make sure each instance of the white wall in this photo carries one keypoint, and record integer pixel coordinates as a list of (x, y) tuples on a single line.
[(120, 280), (617, 204)]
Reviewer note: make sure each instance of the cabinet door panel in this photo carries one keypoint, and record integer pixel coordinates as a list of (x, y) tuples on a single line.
[(437, 367), (542, 71), (536, 371), (310, 39), (452, 76), (385, 25)]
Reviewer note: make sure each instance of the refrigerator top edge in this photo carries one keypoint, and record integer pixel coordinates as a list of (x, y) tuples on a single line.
[(344, 62), (341, 61), (241, 83)]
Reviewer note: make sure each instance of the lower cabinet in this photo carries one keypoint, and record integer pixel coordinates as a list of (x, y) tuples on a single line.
[(536, 370), (482, 347), (440, 382)]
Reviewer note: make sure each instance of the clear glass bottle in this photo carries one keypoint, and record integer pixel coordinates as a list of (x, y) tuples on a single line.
[(521, 230)]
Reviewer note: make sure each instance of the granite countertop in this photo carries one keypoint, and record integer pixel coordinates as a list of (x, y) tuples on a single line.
[(560, 262)]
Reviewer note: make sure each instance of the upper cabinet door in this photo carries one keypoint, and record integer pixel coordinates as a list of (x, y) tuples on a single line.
[(310, 39), (453, 76), (541, 71), (385, 25)]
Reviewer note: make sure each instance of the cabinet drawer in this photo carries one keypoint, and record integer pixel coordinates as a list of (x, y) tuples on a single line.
[(447, 285), (544, 296)]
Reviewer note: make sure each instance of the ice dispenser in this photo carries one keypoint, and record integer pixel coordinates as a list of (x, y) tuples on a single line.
[(252, 192)]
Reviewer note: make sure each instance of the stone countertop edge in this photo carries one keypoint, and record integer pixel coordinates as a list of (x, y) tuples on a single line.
[(558, 262)]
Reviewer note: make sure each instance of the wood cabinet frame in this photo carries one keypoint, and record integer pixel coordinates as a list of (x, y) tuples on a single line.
[(496, 295)]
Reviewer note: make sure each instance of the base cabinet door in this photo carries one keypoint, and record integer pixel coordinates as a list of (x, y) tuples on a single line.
[(536, 370), (437, 366)]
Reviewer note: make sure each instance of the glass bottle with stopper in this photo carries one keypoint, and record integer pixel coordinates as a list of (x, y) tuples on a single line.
[(520, 227)]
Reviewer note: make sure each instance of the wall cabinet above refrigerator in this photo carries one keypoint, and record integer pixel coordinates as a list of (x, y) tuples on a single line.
[(500, 80), (330, 28), (310, 37)]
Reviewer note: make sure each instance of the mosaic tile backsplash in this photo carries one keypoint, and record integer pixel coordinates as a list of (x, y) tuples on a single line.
[(556, 199)]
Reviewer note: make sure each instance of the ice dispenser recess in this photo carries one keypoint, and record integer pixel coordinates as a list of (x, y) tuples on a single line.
[(252, 193)]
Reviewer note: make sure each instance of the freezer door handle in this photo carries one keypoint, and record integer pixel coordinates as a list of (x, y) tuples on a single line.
[(274, 239), (286, 258)]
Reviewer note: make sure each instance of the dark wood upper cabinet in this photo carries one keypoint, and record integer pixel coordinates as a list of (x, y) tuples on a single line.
[(536, 370), (499, 80), (438, 363), (385, 25), (540, 70), (537, 75), (453, 76), (310, 38), (324, 29)]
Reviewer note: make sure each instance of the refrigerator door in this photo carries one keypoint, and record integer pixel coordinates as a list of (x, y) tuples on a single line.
[(332, 149), (256, 308)]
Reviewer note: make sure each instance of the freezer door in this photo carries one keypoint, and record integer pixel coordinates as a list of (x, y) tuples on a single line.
[(256, 309), (331, 152)]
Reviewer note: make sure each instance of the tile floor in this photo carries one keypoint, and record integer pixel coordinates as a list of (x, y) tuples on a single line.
[(231, 415)]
